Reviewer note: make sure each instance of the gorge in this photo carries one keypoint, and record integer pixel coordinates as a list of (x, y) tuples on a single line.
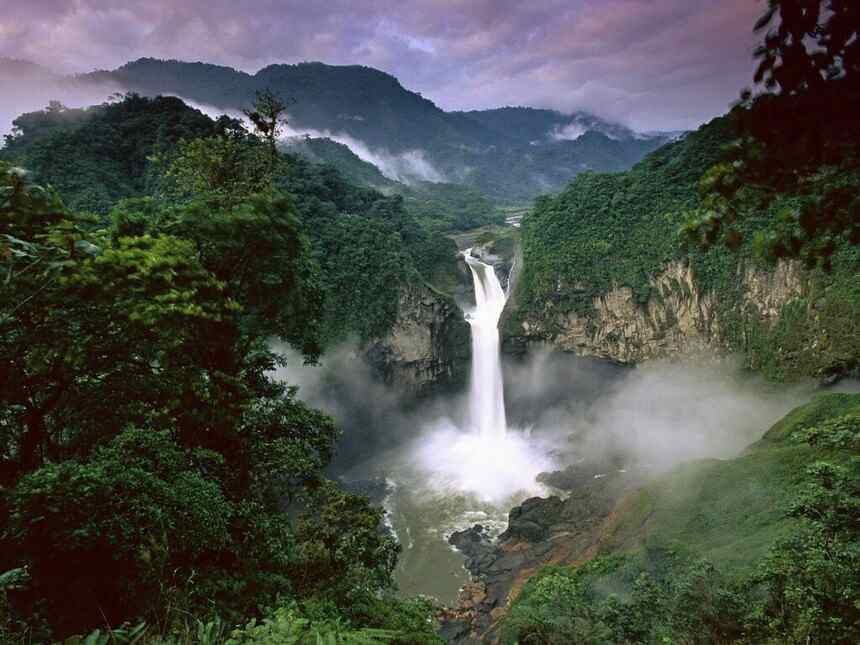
[(292, 354)]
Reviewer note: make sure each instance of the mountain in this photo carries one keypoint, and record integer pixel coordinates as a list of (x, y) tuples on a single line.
[(509, 154), (438, 206), (535, 126)]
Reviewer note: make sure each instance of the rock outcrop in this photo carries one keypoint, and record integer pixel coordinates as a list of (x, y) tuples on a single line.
[(428, 346), (679, 319), (540, 532)]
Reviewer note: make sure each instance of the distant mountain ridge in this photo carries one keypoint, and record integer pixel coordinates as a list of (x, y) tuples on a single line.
[(511, 154)]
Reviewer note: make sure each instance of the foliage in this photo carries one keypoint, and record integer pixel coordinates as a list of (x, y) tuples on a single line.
[(99, 155), (633, 217), (148, 455), (627, 217), (217, 164), (287, 628), (438, 206), (269, 116), (809, 62)]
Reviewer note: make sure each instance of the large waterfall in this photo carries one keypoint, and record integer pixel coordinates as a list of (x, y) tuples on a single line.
[(486, 397), (483, 459)]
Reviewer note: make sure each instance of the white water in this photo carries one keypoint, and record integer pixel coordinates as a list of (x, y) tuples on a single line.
[(484, 460), (486, 395)]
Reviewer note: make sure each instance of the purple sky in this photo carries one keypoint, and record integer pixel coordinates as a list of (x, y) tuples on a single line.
[(653, 64)]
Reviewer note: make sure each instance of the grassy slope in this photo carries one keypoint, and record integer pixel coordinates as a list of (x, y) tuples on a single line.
[(729, 511)]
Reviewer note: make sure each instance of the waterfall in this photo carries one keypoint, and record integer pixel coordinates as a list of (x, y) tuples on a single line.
[(486, 396)]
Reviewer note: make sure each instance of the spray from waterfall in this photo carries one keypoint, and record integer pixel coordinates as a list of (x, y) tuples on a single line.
[(486, 396)]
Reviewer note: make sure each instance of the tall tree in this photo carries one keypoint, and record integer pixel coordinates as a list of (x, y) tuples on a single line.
[(269, 116)]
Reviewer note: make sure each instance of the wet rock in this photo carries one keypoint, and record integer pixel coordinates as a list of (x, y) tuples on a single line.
[(454, 631), (678, 318), (476, 545), (427, 349), (580, 474), (531, 520)]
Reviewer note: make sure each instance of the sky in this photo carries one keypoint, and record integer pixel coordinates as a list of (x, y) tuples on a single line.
[(651, 64)]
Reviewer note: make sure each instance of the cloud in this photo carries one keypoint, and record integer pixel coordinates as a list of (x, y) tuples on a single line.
[(34, 88), (406, 167), (650, 63)]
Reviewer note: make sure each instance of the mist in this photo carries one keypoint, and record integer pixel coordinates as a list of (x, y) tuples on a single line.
[(562, 410), (406, 167), (31, 92)]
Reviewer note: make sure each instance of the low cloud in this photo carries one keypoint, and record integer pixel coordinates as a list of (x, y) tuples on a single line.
[(406, 167), (562, 408), (34, 90)]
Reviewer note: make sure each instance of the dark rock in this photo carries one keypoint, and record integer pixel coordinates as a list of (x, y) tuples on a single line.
[(532, 519), (580, 474), (454, 631), (476, 545)]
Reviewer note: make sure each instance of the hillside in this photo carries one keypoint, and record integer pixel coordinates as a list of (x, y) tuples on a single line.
[(439, 206), (657, 299), (511, 154), (710, 549), (375, 254)]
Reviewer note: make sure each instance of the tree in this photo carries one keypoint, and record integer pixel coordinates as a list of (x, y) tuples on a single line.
[(103, 538), (796, 156), (807, 42), (269, 116)]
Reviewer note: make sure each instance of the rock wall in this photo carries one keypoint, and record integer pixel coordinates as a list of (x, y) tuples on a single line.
[(428, 348), (678, 320)]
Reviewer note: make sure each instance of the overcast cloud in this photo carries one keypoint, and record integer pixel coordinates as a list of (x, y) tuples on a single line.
[(652, 64)]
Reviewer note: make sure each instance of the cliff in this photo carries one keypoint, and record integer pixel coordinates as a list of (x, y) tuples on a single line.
[(428, 346), (679, 318)]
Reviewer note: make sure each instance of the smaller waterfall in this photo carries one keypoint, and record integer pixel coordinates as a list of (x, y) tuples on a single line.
[(486, 397)]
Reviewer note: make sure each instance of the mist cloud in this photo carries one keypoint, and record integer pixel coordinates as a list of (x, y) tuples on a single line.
[(406, 167), (33, 92), (570, 409), (653, 64)]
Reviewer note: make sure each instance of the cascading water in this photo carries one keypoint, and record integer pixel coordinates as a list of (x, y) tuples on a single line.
[(486, 396), (484, 460)]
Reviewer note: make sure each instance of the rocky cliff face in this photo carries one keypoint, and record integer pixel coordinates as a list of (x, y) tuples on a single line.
[(427, 348), (678, 320)]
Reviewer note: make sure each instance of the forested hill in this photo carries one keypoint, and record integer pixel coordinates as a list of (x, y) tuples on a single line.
[(606, 271), (368, 244), (540, 153)]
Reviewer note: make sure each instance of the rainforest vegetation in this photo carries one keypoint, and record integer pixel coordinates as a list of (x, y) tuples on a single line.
[(159, 485), (762, 548), (155, 479)]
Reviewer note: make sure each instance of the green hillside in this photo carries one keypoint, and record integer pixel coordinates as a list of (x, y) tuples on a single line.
[(755, 549), (620, 230), (368, 244), (442, 207)]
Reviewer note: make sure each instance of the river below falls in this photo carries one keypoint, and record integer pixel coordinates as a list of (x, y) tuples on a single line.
[(423, 510)]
